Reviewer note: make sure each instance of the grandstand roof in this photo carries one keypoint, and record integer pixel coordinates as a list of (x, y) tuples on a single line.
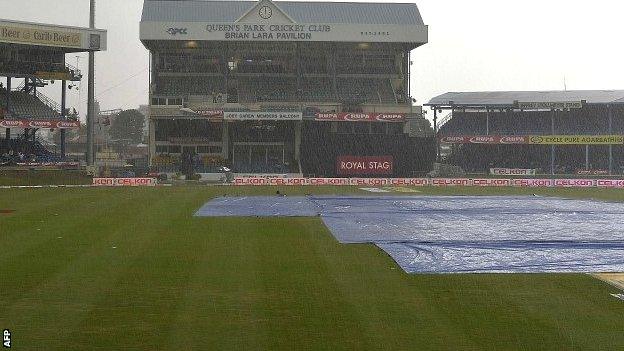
[(509, 98), (281, 21), (66, 38), (299, 11)]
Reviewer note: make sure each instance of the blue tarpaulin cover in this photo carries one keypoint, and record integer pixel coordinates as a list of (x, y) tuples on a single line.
[(447, 234)]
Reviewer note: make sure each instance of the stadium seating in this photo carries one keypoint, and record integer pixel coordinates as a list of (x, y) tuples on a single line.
[(166, 163), (266, 89), (365, 90), (168, 129), (260, 167), (284, 89), (180, 63), (32, 67), (24, 105), (14, 151), (351, 63), (317, 89), (589, 122), (273, 89), (260, 67), (278, 108), (321, 146), (190, 86)]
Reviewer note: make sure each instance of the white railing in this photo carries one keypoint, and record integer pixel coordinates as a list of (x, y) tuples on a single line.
[(444, 120)]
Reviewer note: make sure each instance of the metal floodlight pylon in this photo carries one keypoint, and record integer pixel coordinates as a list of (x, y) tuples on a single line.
[(91, 91)]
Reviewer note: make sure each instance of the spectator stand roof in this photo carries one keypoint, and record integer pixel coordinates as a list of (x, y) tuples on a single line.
[(65, 38), (284, 20), (298, 11), (513, 99)]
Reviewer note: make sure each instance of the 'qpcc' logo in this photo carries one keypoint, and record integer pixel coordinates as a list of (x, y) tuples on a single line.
[(176, 31)]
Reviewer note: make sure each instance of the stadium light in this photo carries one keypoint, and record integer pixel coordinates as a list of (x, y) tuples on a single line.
[(91, 91)]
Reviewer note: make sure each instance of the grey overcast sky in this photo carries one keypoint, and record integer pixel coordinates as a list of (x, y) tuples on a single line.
[(473, 45)]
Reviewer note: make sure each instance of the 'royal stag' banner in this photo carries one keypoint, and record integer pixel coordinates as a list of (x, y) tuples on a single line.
[(361, 117), (364, 165), (42, 124)]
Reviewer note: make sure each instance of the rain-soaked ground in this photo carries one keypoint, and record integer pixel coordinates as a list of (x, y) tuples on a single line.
[(461, 234)]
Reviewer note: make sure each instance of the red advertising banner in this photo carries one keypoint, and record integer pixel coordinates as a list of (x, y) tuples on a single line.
[(361, 117), (532, 183), (573, 183), (124, 182), (435, 182), (42, 124), (364, 165), (491, 182), (485, 139), (257, 181), (610, 183), (450, 182), (535, 139)]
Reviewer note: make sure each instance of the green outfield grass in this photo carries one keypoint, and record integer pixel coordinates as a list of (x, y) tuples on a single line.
[(175, 282)]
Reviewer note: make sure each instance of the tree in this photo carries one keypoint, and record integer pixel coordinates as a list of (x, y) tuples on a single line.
[(128, 125), (69, 134)]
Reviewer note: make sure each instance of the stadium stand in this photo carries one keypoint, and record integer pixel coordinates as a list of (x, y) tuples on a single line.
[(265, 84), (20, 151), (25, 105), (190, 86), (266, 89), (316, 90), (536, 114), (365, 90), (31, 58)]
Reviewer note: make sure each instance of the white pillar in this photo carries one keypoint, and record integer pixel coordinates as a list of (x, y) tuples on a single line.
[(152, 140), (552, 147), (225, 140), (610, 113), (298, 127)]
